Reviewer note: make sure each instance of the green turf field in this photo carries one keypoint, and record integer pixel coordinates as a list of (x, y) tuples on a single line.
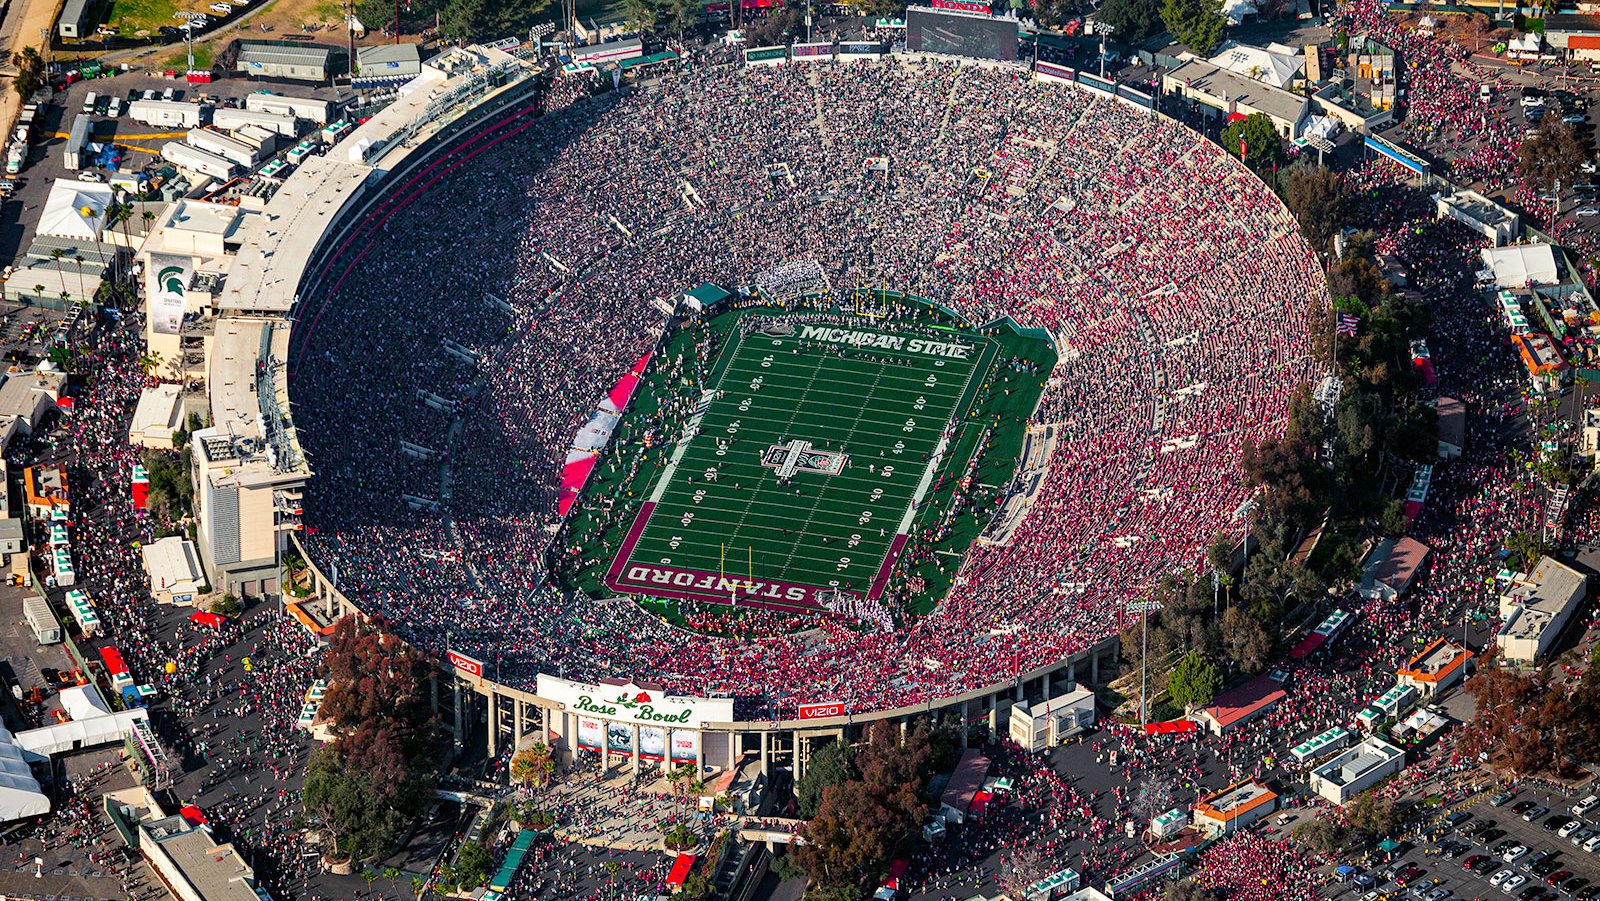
[(811, 457)]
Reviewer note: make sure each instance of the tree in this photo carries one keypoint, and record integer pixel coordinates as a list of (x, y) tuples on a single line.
[(227, 605), (1552, 154), (363, 790), (1263, 146), (1317, 197), (487, 18), (832, 764), (1194, 682), (30, 72), (860, 821), (1322, 834), (1247, 645), (1524, 549), (533, 765), (642, 14), (375, 677), (472, 865), (1189, 890), (1371, 815), (1131, 20), (1196, 23)]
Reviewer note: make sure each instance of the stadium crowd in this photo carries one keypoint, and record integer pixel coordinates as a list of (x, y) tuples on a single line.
[(1174, 282)]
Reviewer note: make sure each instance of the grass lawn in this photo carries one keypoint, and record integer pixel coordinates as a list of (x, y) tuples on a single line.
[(140, 18)]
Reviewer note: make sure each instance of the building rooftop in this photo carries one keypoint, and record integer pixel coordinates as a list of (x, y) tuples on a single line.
[(1550, 586), (1405, 557), (1437, 660), (46, 485), (1214, 81), (288, 52), (1452, 421), (20, 394), (1250, 698), (171, 561), (215, 872), (1235, 800), (235, 348), (158, 408), (1358, 761)]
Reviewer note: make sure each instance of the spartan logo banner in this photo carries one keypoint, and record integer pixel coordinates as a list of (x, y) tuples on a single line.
[(168, 297)]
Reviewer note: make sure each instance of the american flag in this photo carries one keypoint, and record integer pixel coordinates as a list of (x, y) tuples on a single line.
[(1346, 324)]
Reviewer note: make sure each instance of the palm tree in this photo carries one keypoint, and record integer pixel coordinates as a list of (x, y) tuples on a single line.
[(38, 291), (83, 291), (58, 254), (150, 362)]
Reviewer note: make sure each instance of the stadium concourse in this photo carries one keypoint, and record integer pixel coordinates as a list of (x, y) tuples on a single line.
[(1175, 283)]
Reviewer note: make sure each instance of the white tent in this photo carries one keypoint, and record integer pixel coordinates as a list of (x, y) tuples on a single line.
[(78, 735), (20, 795), (75, 209), (1522, 265), (1276, 69), (82, 702)]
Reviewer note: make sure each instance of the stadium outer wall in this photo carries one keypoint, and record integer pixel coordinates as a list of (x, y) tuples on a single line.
[(511, 717)]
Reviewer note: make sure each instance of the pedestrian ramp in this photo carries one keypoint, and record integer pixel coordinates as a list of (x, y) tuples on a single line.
[(508, 868)]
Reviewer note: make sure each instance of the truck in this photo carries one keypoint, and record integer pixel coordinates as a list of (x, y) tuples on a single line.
[(77, 142), (236, 119), (167, 113), (16, 155), (308, 108), (42, 620), (196, 160), (225, 146)]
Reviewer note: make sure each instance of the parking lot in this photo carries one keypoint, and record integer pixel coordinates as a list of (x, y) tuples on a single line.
[(1440, 854), (20, 212)]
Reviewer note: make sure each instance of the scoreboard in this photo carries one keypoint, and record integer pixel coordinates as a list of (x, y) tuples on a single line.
[(960, 33)]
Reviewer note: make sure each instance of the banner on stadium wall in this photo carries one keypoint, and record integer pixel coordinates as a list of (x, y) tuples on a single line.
[(619, 738), (685, 746), (1139, 98), (862, 48), (1096, 83), (1053, 72), (167, 292), (472, 666), (812, 52), (590, 734), (765, 56), (966, 6), (633, 702), (652, 743), (822, 710)]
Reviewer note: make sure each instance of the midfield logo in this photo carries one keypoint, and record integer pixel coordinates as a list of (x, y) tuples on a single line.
[(797, 456)]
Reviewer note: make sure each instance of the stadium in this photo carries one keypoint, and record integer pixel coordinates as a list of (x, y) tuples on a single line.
[(512, 376)]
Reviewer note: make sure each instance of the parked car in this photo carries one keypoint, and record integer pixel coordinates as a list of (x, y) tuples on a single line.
[(1534, 814), (1556, 822), (1592, 843), (1581, 836), (1515, 882), (1567, 828), (1499, 879), (1503, 798), (1589, 802), (1515, 853)]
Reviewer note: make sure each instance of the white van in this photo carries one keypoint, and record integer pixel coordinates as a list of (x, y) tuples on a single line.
[(1485, 93), (88, 102), (116, 107), (1586, 805)]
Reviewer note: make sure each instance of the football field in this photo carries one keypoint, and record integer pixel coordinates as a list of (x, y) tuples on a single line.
[(805, 465)]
